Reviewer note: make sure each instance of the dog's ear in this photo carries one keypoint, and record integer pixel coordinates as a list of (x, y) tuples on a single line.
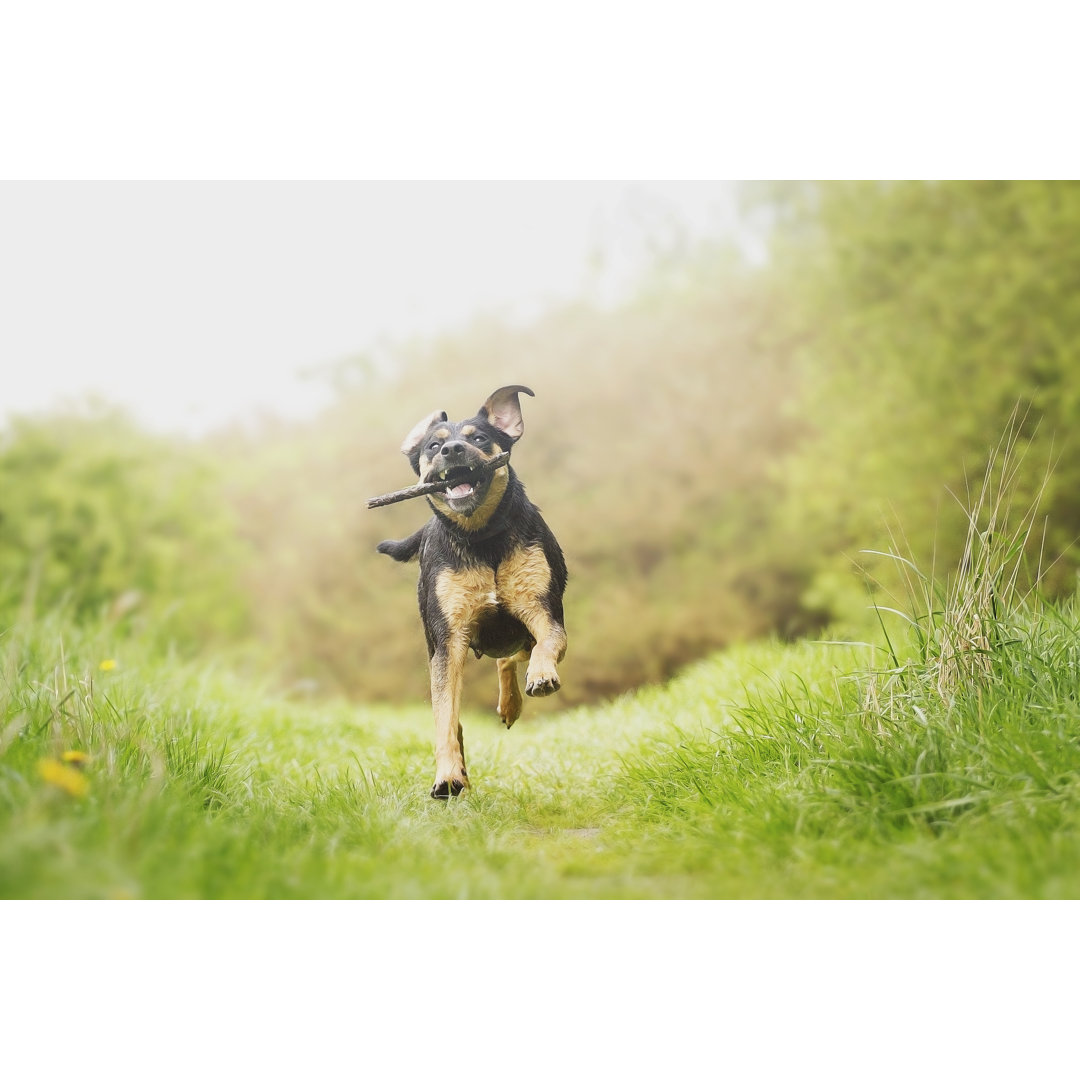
[(504, 410), (412, 440)]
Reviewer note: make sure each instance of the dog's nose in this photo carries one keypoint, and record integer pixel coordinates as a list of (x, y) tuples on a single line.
[(452, 450)]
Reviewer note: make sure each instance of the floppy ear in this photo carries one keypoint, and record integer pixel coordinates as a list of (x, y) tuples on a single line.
[(412, 440), (504, 410)]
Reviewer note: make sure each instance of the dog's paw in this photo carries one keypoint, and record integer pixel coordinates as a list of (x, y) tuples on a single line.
[(509, 708), (542, 684), (444, 789)]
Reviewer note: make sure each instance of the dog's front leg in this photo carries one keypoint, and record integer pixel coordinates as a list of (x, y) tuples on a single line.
[(524, 588), (447, 676), (542, 674)]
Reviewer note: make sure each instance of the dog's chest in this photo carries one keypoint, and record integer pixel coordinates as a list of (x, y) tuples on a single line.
[(481, 610), (469, 594), (465, 595)]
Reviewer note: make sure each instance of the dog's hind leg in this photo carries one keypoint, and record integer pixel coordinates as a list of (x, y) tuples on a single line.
[(510, 699)]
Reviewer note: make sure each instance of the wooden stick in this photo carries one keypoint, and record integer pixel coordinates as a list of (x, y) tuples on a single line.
[(429, 489)]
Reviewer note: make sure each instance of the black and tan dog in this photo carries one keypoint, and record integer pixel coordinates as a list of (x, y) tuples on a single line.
[(492, 574)]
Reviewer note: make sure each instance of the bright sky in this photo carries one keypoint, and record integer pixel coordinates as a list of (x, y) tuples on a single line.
[(196, 303)]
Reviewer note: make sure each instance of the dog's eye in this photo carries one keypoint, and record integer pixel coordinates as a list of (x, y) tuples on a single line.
[(479, 439), (433, 446)]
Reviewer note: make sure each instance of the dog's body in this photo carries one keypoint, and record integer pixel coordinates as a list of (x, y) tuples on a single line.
[(492, 574)]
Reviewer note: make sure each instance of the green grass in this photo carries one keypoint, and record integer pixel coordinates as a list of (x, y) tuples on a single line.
[(820, 793), (769, 771)]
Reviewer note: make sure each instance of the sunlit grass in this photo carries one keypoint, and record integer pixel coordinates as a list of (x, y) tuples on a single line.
[(201, 785)]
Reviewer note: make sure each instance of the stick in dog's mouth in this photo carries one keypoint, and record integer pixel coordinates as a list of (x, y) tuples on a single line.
[(461, 483), (448, 484)]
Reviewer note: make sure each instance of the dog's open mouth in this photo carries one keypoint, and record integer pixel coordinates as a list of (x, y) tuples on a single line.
[(462, 483)]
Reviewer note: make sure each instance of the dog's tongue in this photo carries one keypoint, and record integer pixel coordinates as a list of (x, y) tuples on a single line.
[(461, 491)]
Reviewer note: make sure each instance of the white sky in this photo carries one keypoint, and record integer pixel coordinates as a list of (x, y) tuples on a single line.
[(193, 303), (196, 302)]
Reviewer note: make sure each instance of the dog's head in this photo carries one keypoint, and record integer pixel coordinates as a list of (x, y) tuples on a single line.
[(439, 449)]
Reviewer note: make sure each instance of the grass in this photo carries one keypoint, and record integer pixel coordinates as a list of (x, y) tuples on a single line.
[(768, 771), (201, 785), (813, 794)]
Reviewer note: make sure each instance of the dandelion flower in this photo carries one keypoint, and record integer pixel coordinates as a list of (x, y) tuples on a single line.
[(78, 758), (65, 777), (107, 665)]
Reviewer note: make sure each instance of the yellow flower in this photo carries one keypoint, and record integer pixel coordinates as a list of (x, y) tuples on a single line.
[(65, 777), (78, 758), (107, 665)]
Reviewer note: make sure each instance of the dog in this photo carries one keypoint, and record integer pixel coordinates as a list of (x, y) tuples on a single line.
[(492, 574)]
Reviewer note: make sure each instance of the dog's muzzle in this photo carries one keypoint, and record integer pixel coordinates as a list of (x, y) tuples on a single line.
[(459, 464)]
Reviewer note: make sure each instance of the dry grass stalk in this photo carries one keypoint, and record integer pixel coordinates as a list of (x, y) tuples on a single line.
[(986, 586)]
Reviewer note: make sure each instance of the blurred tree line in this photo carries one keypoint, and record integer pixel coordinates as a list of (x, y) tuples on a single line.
[(102, 521), (712, 453)]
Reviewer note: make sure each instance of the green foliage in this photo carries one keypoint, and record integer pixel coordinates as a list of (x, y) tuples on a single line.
[(929, 312), (99, 519)]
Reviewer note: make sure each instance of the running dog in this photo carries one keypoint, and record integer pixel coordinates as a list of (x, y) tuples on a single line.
[(492, 574)]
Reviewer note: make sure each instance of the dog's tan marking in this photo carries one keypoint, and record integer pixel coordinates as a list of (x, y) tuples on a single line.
[(469, 429), (523, 579), (463, 596), (525, 573), (482, 514)]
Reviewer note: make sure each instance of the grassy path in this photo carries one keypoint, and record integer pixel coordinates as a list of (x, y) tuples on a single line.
[(200, 785)]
